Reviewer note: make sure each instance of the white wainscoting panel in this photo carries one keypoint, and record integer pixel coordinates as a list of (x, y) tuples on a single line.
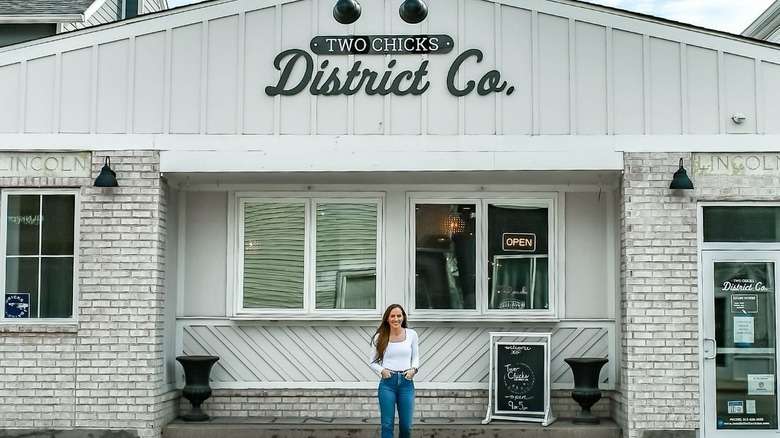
[(335, 355)]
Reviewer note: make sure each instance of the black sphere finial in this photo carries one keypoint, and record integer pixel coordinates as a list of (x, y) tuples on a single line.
[(413, 11), (346, 11)]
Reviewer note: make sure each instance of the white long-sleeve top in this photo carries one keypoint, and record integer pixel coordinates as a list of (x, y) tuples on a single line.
[(399, 356)]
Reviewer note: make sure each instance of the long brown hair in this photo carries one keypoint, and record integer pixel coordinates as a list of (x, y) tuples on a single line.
[(382, 334)]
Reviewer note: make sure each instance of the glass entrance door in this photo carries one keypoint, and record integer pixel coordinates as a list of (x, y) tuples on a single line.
[(740, 343)]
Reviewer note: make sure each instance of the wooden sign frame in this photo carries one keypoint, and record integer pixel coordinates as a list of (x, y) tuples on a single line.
[(494, 410)]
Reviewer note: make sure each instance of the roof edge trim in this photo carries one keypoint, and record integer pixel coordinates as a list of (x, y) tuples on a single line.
[(42, 18), (766, 23)]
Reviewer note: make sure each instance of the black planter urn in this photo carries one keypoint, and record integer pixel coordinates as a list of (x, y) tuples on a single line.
[(586, 391), (196, 383)]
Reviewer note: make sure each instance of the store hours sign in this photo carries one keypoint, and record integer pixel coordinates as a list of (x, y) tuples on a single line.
[(327, 80)]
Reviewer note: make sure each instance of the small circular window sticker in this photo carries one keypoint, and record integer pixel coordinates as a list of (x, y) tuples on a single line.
[(17, 305)]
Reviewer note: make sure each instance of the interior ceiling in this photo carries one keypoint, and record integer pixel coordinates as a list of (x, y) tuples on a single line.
[(606, 177)]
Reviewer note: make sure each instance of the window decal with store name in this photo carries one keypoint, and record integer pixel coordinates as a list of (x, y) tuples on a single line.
[(331, 81), (17, 305)]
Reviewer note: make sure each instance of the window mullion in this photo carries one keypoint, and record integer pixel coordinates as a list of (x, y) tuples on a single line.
[(380, 259), (555, 270), (310, 256), (4, 250), (240, 251), (40, 252), (482, 257)]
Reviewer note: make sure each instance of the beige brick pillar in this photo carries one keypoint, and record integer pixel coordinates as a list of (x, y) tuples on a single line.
[(659, 369), (119, 343)]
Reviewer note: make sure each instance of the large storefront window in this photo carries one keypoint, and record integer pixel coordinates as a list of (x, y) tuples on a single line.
[(39, 255), (308, 254), (483, 255)]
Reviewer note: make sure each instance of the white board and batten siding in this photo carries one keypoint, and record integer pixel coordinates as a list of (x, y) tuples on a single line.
[(586, 81)]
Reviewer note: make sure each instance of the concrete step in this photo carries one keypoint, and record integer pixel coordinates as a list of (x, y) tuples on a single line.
[(272, 427)]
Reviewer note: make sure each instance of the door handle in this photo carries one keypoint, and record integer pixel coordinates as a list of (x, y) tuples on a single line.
[(714, 348)]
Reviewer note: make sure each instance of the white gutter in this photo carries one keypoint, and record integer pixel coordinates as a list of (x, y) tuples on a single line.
[(766, 24), (43, 18)]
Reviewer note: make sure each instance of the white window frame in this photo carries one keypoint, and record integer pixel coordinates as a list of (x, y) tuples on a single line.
[(310, 200), (3, 255), (556, 269)]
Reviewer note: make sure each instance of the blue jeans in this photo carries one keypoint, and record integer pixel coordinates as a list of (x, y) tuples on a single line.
[(396, 390)]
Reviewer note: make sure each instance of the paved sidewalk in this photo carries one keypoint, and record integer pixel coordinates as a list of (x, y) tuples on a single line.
[(305, 427)]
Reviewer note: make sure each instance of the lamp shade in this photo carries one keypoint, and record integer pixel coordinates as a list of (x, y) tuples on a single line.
[(413, 11), (346, 11), (107, 177), (680, 180)]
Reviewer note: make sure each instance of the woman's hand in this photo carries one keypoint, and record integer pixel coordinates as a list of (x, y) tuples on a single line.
[(409, 374), (385, 373)]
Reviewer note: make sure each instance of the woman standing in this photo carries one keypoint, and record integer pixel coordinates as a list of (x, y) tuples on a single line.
[(395, 355)]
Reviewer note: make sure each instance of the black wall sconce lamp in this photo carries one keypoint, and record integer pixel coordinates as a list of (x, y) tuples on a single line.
[(680, 180), (411, 11), (107, 177)]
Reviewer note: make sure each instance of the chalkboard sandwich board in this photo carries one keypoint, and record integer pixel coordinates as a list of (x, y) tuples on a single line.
[(520, 382), (519, 378)]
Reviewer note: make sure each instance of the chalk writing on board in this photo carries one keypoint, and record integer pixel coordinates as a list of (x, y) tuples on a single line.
[(520, 385), (517, 349), (518, 378), (516, 405)]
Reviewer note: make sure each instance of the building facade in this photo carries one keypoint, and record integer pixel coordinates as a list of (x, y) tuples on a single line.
[(283, 177)]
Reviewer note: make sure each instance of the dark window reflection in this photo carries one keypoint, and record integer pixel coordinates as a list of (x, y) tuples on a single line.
[(445, 258), (57, 225), (23, 222), (518, 276), (741, 224), (56, 287), (745, 333)]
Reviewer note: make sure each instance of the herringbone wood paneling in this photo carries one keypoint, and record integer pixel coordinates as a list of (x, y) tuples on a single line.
[(254, 355)]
